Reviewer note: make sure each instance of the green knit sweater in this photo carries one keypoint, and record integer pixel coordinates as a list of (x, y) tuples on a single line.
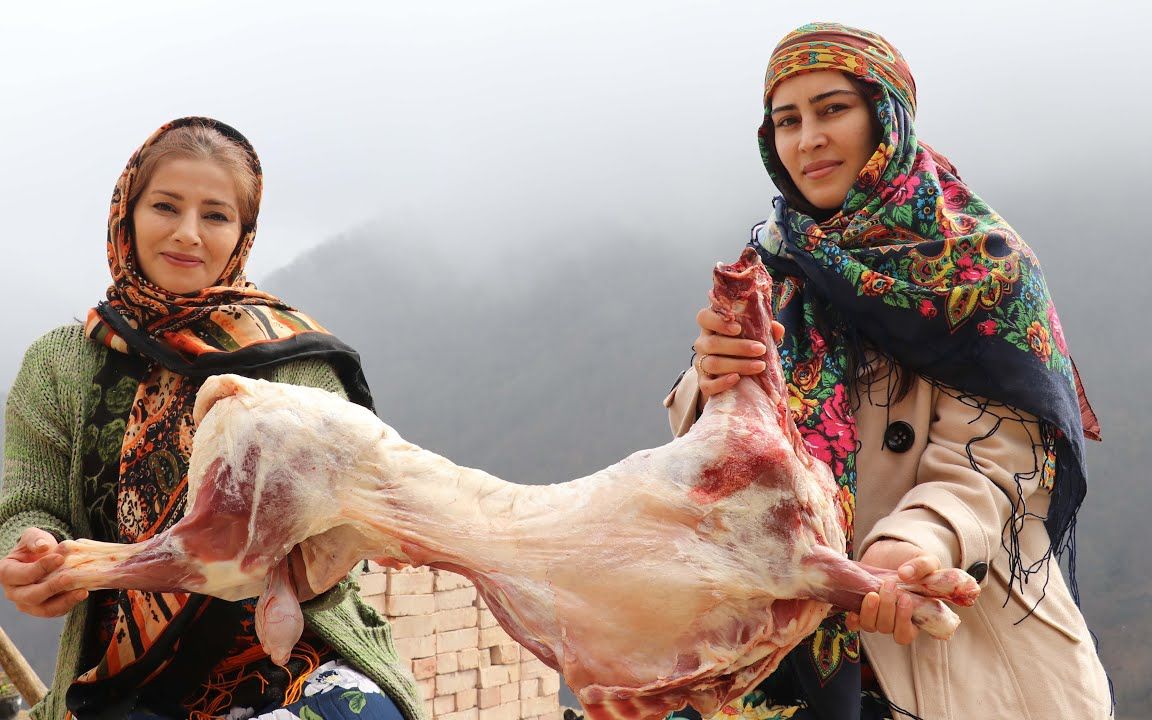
[(43, 488)]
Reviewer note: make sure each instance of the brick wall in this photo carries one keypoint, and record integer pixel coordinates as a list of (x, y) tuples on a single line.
[(467, 667)]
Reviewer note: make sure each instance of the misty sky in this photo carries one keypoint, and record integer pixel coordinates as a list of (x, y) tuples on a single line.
[(483, 123)]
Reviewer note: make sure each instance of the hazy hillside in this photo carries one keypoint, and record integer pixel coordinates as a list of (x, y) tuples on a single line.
[(555, 369)]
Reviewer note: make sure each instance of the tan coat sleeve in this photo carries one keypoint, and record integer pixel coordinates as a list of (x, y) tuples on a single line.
[(684, 403), (981, 467)]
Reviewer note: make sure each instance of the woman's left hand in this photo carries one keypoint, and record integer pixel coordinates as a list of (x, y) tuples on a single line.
[(890, 610)]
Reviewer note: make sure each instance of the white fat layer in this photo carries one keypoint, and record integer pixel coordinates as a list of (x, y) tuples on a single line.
[(629, 577)]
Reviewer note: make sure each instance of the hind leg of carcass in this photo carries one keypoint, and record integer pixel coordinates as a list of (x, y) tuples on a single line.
[(844, 583)]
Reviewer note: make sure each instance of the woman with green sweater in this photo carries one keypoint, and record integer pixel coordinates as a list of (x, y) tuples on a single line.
[(98, 433)]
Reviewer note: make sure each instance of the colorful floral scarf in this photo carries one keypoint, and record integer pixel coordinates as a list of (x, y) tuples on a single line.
[(916, 267), (181, 340)]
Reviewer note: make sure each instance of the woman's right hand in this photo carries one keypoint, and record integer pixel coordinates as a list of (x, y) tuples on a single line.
[(722, 357), (23, 571)]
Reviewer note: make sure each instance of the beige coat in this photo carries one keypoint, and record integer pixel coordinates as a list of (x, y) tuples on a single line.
[(1001, 663)]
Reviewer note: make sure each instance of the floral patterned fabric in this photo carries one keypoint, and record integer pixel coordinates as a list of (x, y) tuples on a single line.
[(914, 266), (831, 46), (228, 327), (334, 691)]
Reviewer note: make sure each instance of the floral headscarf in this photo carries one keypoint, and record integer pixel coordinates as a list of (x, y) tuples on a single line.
[(919, 269), (199, 333)]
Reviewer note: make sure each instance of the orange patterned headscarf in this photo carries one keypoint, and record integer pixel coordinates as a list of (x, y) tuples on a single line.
[(232, 312)]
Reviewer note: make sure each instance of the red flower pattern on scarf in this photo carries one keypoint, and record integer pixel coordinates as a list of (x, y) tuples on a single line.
[(1057, 330), (970, 271), (834, 437)]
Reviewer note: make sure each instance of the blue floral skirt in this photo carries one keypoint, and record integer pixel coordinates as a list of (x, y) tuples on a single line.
[(334, 691)]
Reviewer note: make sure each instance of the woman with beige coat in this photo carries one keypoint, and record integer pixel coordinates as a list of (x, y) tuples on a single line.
[(926, 365)]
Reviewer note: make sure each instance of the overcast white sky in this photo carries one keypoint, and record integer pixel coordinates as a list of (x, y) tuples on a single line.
[(501, 113)]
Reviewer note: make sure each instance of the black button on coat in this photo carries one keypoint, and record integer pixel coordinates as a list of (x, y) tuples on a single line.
[(978, 570), (899, 437)]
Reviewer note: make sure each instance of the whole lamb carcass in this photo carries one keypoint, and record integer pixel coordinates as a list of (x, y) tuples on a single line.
[(682, 574)]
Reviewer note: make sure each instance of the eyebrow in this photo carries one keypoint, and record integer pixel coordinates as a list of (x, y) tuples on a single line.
[(178, 196), (815, 99)]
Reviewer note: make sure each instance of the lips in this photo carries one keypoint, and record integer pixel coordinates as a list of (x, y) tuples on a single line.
[(182, 260), (820, 168)]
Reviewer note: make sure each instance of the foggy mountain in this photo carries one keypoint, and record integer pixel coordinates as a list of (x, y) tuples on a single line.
[(554, 370), (548, 361)]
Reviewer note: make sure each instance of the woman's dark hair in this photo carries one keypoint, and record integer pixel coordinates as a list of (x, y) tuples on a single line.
[(864, 371)]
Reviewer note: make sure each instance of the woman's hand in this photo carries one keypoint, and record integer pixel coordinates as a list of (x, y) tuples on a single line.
[(22, 573), (722, 357), (890, 611)]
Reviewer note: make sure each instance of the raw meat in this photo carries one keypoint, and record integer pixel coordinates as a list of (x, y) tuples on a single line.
[(681, 574)]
